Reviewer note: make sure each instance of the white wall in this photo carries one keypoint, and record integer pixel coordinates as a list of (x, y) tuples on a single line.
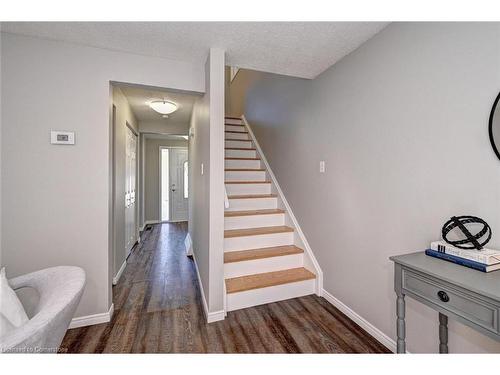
[(152, 175), (402, 125), (206, 203), (56, 198)]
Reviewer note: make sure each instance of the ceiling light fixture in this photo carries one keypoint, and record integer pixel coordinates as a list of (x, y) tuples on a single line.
[(163, 107)]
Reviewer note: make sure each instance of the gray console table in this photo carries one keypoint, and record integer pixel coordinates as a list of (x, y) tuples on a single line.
[(469, 296)]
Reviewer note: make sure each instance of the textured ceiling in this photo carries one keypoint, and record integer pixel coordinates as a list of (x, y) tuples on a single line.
[(139, 99), (301, 49)]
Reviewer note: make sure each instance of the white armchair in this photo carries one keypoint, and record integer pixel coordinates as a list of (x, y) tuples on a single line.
[(59, 291)]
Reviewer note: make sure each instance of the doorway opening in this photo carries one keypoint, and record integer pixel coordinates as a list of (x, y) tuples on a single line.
[(174, 172), (146, 189)]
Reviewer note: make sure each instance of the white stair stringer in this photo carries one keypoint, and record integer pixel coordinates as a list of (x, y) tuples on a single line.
[(267, 258)]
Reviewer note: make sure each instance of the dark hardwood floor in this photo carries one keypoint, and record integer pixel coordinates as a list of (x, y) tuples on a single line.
[(158, 309)]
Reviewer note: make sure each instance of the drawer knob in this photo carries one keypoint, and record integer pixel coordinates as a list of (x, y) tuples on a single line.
[(443, 296)]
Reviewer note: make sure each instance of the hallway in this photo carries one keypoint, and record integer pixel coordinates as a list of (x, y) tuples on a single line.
[(158, 310)]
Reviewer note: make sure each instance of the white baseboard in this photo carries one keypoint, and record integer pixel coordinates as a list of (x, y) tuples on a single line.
[(362, 322), (188, 243), (91, 320), (119, 273), (214, 316)]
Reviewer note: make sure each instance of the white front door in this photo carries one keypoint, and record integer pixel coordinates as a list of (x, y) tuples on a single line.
[(178, 162), (130, 191), (164, 185)]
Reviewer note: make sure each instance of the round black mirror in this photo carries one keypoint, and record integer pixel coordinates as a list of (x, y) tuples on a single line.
[(494, 128)]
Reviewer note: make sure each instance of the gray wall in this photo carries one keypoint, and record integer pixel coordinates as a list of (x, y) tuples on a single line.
[(206, 203), (152, 175), (402, 125), (56, 199)]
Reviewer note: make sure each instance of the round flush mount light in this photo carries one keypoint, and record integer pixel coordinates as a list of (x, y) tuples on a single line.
[(163, 107)]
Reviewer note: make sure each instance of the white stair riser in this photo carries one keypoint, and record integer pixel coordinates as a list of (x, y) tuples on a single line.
[(256, 242), (236, 136), (245, 175), (252, 164), (254, 297), (246, 189), (233, 128), (253, 221), (240, 153), (233, 121), (250, 267), (252, 204), (239, 144)]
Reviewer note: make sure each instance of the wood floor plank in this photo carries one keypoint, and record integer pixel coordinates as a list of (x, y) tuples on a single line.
[(158, 309)]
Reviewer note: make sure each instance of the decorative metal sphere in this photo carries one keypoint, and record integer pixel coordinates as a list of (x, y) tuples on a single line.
[(471, 241)]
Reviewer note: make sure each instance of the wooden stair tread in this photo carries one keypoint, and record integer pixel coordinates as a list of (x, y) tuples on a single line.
[(264, 280), (262, 253), (235, 131), (232, 118), (233, 124), (267, 211), (247, 182), (231, 233), (229, 158), (238, 140), (252, 196), (244, 170), (240, 148)]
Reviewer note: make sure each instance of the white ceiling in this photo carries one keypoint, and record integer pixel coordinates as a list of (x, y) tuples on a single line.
[(139, 99), (301, 49)]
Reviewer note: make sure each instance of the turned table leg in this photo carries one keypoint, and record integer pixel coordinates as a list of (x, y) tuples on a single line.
[(400, 325), (443, 333)]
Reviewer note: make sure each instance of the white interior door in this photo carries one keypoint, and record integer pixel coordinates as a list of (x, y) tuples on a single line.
[(130, 191), (178, 161)]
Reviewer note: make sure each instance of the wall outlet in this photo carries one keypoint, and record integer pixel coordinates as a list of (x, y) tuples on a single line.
[(322, 166)]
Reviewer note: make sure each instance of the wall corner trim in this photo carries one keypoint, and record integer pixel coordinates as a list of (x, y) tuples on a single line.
[(119, 273), (90, 320), (307, 247), (213, 316), (362, 322), (188, 243)]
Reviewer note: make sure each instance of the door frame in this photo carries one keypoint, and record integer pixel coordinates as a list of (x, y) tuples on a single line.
[(159, 183)]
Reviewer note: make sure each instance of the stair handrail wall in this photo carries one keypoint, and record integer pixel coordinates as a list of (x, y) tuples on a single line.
[(307, 248)]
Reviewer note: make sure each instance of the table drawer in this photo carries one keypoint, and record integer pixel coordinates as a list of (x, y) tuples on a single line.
[(453, 299)]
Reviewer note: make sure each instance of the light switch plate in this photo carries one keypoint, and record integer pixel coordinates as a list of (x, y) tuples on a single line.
[(322, 166), (58, 137)]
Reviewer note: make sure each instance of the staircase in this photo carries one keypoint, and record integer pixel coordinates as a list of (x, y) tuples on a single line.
[(262, 262)]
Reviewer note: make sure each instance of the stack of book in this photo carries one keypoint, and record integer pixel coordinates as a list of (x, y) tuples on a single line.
[(485, 260)]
